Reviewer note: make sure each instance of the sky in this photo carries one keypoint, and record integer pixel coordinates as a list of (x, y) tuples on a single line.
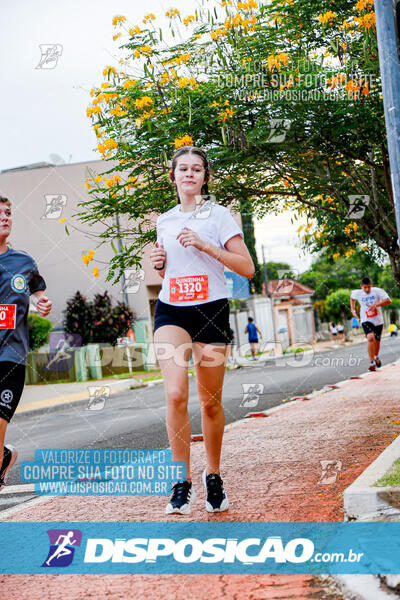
[(43, 111)]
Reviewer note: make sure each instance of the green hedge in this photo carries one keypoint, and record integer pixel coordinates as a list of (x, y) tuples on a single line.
[(39, 330)]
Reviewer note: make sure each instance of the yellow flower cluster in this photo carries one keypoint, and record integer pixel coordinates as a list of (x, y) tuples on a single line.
[(188, 20), (143, 101), (143, 50), (107, 145), (98, 133), (96, 271), (349, 252), (172, 13), (129, 83), (149, 17), (178, 60), (247, 5), (88, 257), (187, 82), (367, 21), (90, 111), (117, 111), (327, 17), (226, 114), (131, 182), (336, 255), (108, 71), (351, 228), (118, 20), (236, 21), (186, 140), (277, 61), (115, 180), (363, 4), (354, 89), (116, 36), (134, 31)]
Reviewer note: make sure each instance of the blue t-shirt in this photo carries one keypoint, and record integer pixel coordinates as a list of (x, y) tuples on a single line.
[(252, 331), (19, 278)]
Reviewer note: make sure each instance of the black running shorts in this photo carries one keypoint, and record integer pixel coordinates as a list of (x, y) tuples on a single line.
[(371, 328), (207, 322), (12, 381)]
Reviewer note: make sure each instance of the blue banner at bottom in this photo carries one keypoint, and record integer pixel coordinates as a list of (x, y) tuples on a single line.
[(193, 547)]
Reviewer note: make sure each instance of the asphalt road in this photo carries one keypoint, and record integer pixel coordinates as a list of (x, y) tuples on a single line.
[(136, 418)]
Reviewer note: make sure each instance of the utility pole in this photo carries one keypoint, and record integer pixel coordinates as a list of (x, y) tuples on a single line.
[(387, 14), (271, 296)]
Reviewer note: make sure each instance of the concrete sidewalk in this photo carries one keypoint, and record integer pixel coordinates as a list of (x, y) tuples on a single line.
[(272, 472)]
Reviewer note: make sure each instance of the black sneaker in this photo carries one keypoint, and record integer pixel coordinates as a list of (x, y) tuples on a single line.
[(372, 366), (378, 362), (217, 500), (9, 457), (183, 496)]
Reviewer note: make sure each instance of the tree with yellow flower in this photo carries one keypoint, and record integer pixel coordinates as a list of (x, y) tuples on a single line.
[(284, 96)]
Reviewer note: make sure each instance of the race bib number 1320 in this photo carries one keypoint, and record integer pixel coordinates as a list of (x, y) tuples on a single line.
[(7, 316), (191, 287)]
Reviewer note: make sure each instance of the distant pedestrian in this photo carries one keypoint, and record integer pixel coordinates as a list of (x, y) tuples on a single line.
[(252, 331), (371, 299), (393, 330), (340, 330), (355, 325), (333, 330)]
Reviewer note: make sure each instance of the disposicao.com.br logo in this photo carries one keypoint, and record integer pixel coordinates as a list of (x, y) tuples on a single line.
[(191, 550)]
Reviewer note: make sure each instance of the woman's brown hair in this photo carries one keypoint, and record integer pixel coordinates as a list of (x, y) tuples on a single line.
[(206, 165)]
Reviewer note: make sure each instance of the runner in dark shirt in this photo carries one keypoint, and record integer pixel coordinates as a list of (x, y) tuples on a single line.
[(20, 284)]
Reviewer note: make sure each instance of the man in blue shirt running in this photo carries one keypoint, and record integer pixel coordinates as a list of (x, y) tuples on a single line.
[(252, 330), (20, 284)]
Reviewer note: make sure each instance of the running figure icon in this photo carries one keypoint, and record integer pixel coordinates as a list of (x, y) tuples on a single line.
[(62, 549)]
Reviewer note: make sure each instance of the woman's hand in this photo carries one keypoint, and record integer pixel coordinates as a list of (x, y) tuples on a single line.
[(188, 237), (158, 256)]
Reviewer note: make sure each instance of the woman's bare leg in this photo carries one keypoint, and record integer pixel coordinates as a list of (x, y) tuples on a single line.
[(174, 343)]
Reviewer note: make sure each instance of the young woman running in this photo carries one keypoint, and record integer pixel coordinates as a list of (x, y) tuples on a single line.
[(194, 242)]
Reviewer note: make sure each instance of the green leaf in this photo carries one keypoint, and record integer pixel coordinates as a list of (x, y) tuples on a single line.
[(113, 247), (190, 111), (160, 34), (224, 136), (66, 229)]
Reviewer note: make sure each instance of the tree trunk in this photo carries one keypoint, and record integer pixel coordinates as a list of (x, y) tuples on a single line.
[(249, 239)]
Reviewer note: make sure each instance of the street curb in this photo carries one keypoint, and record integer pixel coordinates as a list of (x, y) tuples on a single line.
[(363, 501)]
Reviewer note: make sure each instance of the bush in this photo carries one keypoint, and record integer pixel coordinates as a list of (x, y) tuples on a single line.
[(97, 321), (39, 330), (337, 305)]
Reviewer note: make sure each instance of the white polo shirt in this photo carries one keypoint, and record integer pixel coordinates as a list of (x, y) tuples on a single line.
[(376, 295), (190, 271)]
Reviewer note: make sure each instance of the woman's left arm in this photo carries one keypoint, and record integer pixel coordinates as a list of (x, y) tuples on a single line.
[(234, 255)]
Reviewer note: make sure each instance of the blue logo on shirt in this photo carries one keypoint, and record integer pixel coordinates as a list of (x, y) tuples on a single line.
[(18, 283)]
